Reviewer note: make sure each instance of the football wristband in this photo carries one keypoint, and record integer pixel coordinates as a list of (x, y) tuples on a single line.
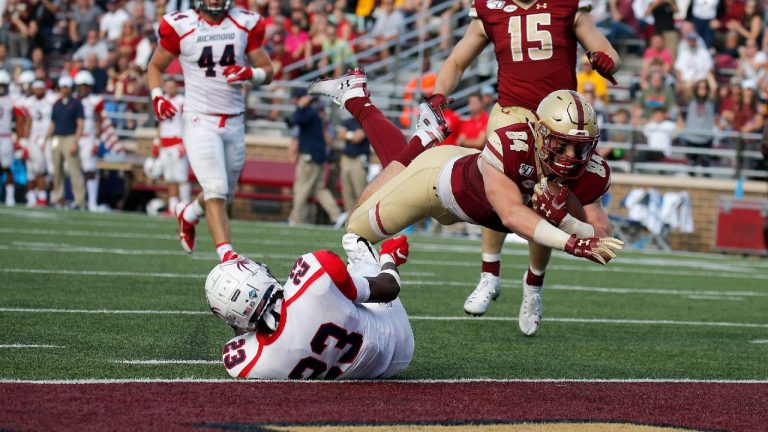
[(571, 225), (547, 234), (156, 92), (363, 289)]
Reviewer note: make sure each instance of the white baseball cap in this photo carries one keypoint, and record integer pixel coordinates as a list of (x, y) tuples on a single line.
[(38, 84)]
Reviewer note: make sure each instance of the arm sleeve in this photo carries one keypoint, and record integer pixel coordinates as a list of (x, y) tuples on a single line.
[(169, 39), (352, 288), (256, 36), (80, 112)]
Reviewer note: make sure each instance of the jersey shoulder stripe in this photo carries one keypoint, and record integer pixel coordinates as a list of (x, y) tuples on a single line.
[(174, 27), (251, 23), (337, 271)]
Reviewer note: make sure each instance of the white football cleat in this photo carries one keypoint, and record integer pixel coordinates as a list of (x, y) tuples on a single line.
[(487, 290), (350, 85), (431, 127), (531, 310), (359, 249)]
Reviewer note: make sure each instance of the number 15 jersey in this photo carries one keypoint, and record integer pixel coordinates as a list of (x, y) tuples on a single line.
[(322, 333), (205, 49)]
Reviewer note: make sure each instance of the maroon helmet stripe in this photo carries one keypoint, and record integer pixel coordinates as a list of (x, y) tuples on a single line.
[(579, 109)]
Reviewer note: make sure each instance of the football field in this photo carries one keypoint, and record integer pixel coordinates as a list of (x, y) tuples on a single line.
[(100, 297)]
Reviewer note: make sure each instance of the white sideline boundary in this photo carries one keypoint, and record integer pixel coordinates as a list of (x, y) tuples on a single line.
[(395, 381), (167, 362), (411, 317), (11, 346)]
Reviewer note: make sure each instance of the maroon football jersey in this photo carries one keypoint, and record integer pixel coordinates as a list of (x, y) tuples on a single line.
[(512, 149), (535, 47)]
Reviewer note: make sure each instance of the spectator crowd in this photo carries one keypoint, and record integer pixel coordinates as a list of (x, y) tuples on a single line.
[(703, 62)]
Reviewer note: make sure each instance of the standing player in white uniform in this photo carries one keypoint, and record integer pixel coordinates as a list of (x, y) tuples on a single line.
[(168, 150), (329, 321), (9, 108), (40, 162), (93, 107), (213, 42)]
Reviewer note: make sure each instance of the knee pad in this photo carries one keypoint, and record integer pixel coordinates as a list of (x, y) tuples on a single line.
[(216, 189)]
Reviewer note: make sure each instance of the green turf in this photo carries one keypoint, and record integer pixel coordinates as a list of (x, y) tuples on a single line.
[(136, 264)]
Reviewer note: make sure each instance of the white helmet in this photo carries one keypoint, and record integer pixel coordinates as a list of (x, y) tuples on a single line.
[(155, 206), (5, 77), (65, 81), (5, 82), (84, 78), (26, 78), (153, 168), (240, 291)]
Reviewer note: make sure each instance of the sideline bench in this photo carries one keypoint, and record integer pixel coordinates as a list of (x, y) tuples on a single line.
[(256, 174)]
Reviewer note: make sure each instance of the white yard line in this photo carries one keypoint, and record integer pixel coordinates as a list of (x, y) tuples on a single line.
[(715, 297), (412, 317), (105, 311), (102, 273), (167, 362), (414, 381), (697, 294), (30, 346), (760, 341)]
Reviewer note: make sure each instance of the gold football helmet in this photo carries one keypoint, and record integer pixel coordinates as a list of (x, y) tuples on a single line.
[(566, 133)]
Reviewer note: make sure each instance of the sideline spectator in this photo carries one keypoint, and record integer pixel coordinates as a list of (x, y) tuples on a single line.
[(699, 123), (473, 129), (656, 52), (659, 132), (85, 17), (702, 13), (21, 27), (751, 24), (310, 153), (694, 63), (425, 82), (589, 75), (655, 96), (617, 134), (338, 52), (65, 131), (354, 162), (752, 63), (111, 23), (92, 45), (389, 23)]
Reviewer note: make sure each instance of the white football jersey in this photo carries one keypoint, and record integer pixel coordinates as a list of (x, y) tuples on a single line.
[(205, 49), (322, 333), (91, 105), (9, 107), (172, 127), (40, 111)]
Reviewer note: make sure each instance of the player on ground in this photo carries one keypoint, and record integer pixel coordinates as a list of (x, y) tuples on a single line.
[(168, 150), (39, 105), (327, 321), (93, 107), (10, 108), (492, 188), (535, 47), (213, 42)]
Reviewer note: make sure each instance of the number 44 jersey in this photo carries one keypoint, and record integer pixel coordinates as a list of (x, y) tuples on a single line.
[(322, 333), (205, 49)]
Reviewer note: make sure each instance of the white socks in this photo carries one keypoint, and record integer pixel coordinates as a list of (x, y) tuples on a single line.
[(185, 192), (10, 195), (193, 212), (222, 249), (92, 186)]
